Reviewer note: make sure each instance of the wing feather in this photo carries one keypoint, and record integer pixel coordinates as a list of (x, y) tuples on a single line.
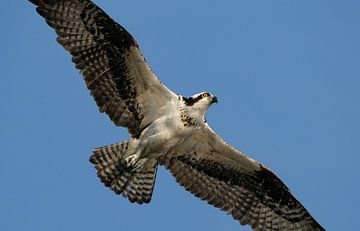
[(114, 69), (238, 185)]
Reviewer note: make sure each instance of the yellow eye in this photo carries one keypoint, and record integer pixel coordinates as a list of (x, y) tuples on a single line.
[(205, 95)]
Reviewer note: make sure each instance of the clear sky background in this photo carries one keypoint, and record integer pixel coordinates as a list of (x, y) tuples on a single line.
[(287, 73)]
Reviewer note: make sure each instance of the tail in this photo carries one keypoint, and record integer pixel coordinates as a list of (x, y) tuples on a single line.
[(135, 184)]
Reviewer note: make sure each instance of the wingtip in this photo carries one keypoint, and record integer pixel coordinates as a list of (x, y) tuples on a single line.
[(93, 159), (42, 12), (37, 2)]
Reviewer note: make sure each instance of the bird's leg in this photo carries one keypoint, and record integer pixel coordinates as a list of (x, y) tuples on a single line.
[(134, 158), (134, 161), (143, 149)]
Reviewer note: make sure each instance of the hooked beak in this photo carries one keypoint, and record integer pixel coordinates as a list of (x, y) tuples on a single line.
[(214, 99)]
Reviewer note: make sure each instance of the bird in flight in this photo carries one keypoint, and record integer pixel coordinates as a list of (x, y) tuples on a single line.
[(166, 128)]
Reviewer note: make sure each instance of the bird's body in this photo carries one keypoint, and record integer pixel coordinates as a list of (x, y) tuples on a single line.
[(166, 128)]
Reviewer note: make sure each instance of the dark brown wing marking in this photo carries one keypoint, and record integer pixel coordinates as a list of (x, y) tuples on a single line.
[(107, 55), (258, 198)]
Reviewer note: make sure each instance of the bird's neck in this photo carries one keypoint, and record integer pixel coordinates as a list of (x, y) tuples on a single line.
[(192, 117)]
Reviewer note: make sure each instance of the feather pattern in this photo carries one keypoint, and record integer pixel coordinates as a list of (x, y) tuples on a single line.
[(244, 195), (167, 129), (136, 185), (229, 180), (110, 60)]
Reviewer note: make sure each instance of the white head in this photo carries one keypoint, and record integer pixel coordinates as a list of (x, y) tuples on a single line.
[(200, 102)]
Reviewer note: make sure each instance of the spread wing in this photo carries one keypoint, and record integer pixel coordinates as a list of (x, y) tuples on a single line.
[(238, 185), (115, 71)]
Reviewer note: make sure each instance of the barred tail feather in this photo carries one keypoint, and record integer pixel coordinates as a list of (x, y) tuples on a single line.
[(141, 185), (135, 184)]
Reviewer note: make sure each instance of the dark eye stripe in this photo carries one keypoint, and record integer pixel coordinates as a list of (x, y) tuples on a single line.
[(191, 101)]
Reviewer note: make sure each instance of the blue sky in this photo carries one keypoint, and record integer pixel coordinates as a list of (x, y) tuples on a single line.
[(287, 74)]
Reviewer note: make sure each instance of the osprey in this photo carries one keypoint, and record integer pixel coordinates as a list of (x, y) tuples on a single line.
[(166, 129)]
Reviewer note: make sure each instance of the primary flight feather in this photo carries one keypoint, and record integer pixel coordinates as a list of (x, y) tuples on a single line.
[(166, 128)]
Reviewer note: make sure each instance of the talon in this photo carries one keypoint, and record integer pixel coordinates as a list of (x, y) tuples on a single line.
[(131, 160), (134, 161)]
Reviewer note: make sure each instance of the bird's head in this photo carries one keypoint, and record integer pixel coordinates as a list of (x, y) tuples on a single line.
[(200, 102)]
